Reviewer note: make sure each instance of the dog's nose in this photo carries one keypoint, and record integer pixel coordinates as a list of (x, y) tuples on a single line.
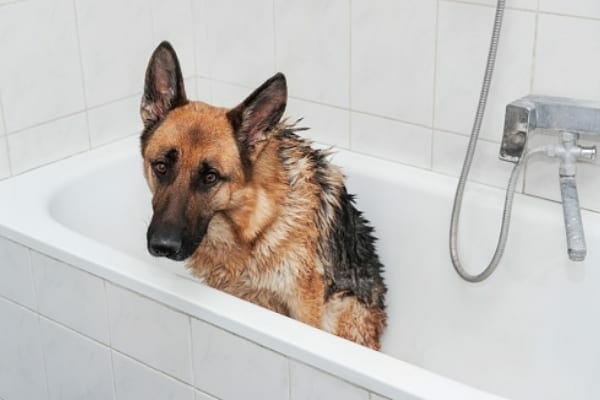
[(164, 244)]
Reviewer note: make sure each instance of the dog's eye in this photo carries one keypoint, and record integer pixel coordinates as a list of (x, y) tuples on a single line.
[(210, 178), (160, 168)]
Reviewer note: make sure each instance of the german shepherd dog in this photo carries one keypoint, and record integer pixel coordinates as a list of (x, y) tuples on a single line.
[(254, 210)]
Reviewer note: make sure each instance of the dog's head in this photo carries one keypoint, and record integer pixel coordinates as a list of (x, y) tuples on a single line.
[(197, 156)]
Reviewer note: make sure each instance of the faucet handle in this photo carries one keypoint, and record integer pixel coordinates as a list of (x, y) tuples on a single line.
[(587, 153)]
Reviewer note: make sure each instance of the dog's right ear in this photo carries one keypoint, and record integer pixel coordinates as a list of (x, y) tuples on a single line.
[(163, 88), (260, 112)]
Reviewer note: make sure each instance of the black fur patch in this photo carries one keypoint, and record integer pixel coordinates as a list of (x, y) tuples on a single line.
[(356, 269), (347, 243)]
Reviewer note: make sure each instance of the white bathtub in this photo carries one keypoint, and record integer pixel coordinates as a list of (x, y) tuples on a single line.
[(532, 331)]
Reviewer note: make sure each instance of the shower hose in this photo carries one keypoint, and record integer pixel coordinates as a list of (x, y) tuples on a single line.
[(510, 192)]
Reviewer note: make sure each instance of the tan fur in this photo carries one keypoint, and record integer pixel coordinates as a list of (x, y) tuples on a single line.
[(261, 244)]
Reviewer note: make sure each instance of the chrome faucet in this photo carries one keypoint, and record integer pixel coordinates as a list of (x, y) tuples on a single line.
[(569, 152), (568, 118)]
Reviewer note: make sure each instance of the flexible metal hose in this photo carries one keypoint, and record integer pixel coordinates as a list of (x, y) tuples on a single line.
[(485, 89)]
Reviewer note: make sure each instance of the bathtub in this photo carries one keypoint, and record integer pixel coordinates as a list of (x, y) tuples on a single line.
[(529, 332)]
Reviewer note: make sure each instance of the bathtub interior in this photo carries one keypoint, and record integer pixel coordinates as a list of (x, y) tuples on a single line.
[(531, 321)]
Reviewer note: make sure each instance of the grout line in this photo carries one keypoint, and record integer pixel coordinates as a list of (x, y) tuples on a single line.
[(44, 362), (112, 360), (434, 95), (154, 369), (534, 55), (274, 26), (193, 17), (4, 126), (97, 342), (532, 84), (8, 161), (36, 305), (474, 3), (52, 162), (116, 100), (482, 139), (191, 353), (349, 74), (210, 62), (529, 10), (48, 121), (582, 17), (36, 301), (393, 119), (81, 70), (152, 27), (328, 374), (111, 349), (289, 371), (72, 114)]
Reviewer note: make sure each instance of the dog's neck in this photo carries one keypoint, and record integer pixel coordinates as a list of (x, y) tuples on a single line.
[(257, 206)]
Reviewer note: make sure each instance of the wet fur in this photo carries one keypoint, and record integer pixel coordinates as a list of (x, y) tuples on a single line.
[(283, 232)]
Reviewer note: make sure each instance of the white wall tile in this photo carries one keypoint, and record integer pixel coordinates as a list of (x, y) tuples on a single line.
[(392, 140), (313, 49), (241, 42), (70, 296), (378, 397), (115, 120), (135, 381), (463, 42), (393, 58), (230, 367), (49, 142), (310, 384), (567, 57), (116, 44), (228, 95), (172, 21), (203, 90), (15, 273), (4, 161), (40, 73), (542, 180), (201, 43), (203, 396), (77, 367), (150, 332), (21, 362), (2, 130), (327, 124), (449, 154), (581, 8), (524, 4)]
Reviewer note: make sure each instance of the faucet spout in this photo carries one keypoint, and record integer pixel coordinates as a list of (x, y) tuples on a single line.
[(569, 153), (576, 247)]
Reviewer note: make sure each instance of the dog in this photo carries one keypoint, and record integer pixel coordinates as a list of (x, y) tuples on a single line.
[(254, 210)]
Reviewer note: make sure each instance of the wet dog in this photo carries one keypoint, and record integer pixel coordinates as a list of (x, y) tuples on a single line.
[(254, 210)]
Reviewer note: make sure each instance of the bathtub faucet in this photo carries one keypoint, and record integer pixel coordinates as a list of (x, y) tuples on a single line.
[(568, 118), (569, 152)]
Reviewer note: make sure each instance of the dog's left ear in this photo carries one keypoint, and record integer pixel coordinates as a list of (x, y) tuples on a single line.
[(163, 88), (256, 116)]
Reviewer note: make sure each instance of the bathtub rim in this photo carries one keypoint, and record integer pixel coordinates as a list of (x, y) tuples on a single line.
[(376, 372)]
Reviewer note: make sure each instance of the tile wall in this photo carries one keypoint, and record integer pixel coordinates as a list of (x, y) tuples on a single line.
[(69, 335), (397, 79)]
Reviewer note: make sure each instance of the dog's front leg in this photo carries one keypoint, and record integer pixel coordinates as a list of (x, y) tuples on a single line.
[(307, 304)]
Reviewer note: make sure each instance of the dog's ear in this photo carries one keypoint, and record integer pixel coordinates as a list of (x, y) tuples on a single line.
[(256, 116), (163, 88)]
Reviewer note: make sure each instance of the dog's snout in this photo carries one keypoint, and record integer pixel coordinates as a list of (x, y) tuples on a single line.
[(165, 243)]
